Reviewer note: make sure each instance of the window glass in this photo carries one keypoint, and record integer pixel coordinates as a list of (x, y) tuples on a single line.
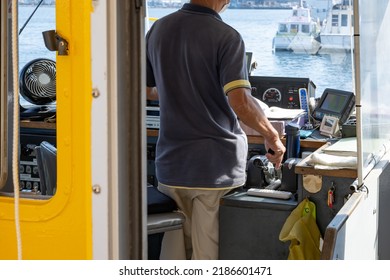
[(283, 28), (37, 88), (37, 78), (305, 28), (32, 22), (375, 83), (258, 27), (335, 20), (294, 28), (344, 20)]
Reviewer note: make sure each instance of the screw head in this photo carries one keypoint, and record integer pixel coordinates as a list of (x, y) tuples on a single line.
[(96, 189), (95, 93)]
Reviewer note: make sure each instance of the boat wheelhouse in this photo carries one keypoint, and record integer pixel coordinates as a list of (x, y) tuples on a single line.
[(336, 31), (299, 33)]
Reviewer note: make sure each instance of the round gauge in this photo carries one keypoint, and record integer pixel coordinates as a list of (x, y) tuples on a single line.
[(272, 95)]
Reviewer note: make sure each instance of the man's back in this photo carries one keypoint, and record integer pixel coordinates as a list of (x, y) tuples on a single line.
[(192, 56)]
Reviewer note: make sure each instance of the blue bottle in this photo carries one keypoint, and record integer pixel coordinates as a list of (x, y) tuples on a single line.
[(292, 141)]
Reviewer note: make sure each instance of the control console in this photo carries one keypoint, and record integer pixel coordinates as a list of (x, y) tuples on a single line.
[(28, 168), (283, 92)]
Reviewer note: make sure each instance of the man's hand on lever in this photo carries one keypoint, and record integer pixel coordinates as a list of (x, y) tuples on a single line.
[(250, 113), (276, 150)]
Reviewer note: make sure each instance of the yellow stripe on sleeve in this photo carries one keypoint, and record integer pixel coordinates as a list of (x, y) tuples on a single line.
[(236, 84)]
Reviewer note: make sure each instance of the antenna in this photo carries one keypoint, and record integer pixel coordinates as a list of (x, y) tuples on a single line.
[(28, 20)]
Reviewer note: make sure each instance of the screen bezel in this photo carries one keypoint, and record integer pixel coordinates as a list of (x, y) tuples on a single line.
[(320, 111)]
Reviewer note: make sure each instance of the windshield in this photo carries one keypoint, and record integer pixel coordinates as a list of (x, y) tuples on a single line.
[(258, 26)]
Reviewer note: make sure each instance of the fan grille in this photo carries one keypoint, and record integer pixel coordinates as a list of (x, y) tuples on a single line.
[(38, 81)]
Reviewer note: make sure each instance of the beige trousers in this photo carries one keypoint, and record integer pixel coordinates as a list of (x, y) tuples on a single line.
[(201, 227)]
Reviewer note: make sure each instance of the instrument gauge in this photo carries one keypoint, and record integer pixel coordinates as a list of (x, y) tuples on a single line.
[(272, 95)]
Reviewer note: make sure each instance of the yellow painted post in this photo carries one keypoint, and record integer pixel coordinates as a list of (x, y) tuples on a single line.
[(61, 227)]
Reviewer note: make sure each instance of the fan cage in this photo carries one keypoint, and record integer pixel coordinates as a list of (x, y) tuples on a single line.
[(38, 81)]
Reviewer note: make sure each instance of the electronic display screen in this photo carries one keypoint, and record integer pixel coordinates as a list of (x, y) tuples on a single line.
[(334, 102), (337, 103), (329, 122)]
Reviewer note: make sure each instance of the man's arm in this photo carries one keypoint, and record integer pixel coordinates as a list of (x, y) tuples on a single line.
[(151, 93), (251, 114)]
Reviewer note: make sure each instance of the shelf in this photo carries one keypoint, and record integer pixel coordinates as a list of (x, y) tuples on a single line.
[(303, 168), (34, 124), (256, 139)]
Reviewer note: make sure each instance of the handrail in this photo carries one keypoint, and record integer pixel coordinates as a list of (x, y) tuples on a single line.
[(337, 224)]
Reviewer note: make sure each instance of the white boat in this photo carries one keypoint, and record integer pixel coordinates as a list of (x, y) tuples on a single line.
[(320, 8), (337, 28), (299, 33)]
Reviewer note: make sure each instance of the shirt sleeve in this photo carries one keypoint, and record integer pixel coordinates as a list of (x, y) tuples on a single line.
[(150, 80), (233, 66)]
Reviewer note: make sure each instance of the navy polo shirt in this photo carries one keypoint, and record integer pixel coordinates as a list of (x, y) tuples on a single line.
[(194, 59)]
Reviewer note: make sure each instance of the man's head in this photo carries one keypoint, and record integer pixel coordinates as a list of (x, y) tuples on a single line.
[(217, 5), (225, 6)]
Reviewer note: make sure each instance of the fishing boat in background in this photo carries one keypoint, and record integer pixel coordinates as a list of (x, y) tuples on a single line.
[(337, 28), (319, 8), (300, 33)]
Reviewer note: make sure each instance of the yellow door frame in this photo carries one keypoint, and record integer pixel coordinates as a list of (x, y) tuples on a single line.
[(61, 227)]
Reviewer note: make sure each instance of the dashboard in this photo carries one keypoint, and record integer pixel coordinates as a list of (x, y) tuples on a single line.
[(281, 91)]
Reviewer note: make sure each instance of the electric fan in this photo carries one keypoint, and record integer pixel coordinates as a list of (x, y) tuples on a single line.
[(37, 81)]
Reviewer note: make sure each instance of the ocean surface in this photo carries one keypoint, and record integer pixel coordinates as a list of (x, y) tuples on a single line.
[(31, 44), (257, 28)]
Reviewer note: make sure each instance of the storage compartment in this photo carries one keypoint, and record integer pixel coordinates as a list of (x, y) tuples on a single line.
[(249, 227)]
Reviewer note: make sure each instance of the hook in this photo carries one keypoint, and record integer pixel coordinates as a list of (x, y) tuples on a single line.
[(55, 42)]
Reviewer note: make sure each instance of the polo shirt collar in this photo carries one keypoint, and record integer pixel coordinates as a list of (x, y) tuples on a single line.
[(200, 9)]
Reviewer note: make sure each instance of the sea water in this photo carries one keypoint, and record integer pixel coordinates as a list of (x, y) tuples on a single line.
[(31, 44), (256, 26)]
